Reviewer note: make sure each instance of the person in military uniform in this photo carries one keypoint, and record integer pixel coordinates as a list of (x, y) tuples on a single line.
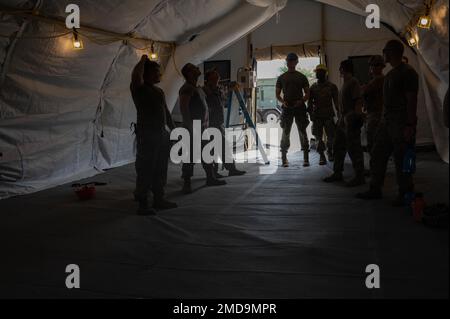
[(373, 98), (216, 104), (320, 106), (348, 132), (445, 110), (295, 89), (397, 131), (153, 126), (193, 107)]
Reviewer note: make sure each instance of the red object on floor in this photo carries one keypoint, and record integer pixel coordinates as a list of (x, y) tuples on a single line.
[(86, 192)]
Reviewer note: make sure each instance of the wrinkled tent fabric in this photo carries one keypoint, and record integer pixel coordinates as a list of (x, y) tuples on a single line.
[(66, 115), (280, 52)]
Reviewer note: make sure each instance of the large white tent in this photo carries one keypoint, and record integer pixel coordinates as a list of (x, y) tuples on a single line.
[(66, 114)]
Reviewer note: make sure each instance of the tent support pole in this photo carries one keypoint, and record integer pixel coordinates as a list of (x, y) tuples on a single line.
[(323, 33)]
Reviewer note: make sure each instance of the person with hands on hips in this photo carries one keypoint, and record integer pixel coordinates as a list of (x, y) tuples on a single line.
[(292, 91)]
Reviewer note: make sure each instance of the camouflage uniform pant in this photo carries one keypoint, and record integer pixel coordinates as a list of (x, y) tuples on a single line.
[(390, 141), (152, 158), (321, 125), (372, 123), (286, 122), (348, 140)]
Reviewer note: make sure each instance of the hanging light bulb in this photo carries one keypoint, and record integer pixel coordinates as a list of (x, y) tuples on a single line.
[(76, 41), (425, 20), (412, 38), (153, 54)]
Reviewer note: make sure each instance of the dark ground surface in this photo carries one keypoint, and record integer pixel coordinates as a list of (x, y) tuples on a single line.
[(279, 235)]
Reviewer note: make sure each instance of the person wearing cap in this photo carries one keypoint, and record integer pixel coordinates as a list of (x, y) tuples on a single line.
[(397, 131), (216, 103), (292, 90), (373, 98), (348, 131), (193, 107), (320, 107)]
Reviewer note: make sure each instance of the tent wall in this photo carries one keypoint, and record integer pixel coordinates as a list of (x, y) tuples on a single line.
[(66, 114)]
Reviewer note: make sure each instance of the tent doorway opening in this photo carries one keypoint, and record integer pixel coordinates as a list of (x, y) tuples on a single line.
[(268, 107)]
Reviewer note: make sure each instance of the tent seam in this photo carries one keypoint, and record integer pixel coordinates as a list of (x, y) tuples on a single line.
[(100, 107)]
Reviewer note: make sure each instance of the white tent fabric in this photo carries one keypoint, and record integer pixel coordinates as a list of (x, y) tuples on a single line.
[(66, 114)]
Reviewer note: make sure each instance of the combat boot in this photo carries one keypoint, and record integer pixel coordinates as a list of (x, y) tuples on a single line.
[(143, 209), (163, 204), (358, 180), (284, 160), (330, 156), (211, 181), (399, 201), (371, 194), (323, 159), (218, 175), (235, 172), (335, 177), (216, 171)]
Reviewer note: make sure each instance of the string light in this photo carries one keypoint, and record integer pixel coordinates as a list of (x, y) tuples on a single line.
[(154, 56), (93, 34), (425, 20), (76, 41), (412, 38), (420, 20)]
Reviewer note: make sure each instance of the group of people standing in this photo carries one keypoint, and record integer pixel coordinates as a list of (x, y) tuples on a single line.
[(387, 105), (155, 123)]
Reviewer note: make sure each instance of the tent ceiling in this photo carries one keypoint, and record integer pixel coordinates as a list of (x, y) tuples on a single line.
[(149, 17)]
